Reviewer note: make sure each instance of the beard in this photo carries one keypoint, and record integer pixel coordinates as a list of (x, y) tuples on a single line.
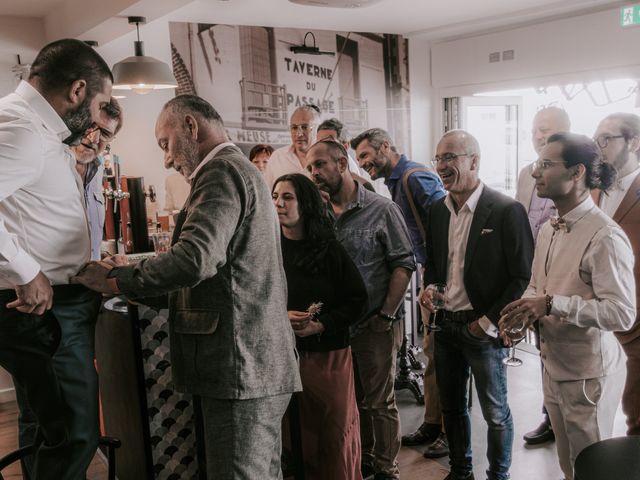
[(78, 121), (189, 154)]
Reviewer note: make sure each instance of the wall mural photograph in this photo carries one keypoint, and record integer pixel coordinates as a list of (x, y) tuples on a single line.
[(256, 80)]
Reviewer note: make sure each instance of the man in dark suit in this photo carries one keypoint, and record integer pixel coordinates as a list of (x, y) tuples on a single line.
[(618, 137), (480, 245), (231, 341)]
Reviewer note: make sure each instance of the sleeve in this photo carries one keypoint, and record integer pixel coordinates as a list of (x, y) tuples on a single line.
[(350, 291), (395, 238), (217, 204), (608, 267), (517, 244), (541, 247), (21, 163), (425, 188)]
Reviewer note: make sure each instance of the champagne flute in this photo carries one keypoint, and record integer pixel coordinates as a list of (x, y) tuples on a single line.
[(438, 299), (516, 335)]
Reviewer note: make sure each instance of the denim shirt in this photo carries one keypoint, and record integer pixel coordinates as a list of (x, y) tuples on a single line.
[(426, 187), (94, 202), (374, 234)]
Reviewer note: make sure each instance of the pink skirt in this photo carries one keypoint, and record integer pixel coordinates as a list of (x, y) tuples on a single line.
[(329, 421)]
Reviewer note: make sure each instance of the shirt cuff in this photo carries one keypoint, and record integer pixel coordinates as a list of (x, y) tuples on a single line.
[(488, 327), (21, 269), (560, 306)]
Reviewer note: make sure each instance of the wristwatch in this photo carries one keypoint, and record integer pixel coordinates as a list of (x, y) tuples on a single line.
[(386, 316)]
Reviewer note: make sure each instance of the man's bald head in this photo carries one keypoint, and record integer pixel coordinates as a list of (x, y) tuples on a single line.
[(548, 121)]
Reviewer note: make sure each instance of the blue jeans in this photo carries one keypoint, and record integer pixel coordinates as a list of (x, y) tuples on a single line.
[(457, 351)]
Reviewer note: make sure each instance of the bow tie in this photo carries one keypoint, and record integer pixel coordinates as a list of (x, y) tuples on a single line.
[(558, 223)]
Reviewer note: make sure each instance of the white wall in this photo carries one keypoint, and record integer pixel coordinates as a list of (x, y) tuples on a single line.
[(424, 110), (578, 46)]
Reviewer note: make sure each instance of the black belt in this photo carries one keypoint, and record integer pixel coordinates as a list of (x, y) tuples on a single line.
[(461, 316)]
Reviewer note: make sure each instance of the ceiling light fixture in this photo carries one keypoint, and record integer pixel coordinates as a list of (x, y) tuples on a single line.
[(140, 73), (337, 3)]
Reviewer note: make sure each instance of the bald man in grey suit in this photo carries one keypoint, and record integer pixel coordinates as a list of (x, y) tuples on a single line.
[(231, 341)]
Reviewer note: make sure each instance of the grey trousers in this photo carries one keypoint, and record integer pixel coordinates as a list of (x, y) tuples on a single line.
[(242, 438)]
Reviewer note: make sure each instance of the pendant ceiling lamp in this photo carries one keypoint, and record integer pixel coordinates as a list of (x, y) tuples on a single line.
[(140, 73)]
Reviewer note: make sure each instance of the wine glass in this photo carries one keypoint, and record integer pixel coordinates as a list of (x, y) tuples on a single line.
[(438, 299), (516, 335)]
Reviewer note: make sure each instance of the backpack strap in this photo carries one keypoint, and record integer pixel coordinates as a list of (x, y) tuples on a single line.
[(412, 203)]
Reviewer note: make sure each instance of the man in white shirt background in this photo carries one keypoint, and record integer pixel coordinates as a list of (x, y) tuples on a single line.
[(618, 137), (546, 122), (291, 158), (44, 240), (581, 290)]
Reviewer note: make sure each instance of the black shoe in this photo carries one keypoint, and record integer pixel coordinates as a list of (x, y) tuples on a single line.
[(367, 471), (451, 476), (542, 434), (384, 476), (439, 448), (426, 433)]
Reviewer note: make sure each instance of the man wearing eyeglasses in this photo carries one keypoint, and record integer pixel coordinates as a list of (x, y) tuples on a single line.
[(547, 121), (618, 137), (292, 158), (479, 244), (581, 291), (90, 168)]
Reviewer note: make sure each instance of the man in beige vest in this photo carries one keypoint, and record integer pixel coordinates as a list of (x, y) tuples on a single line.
[(546, 122), (582, 289), (618, 137)]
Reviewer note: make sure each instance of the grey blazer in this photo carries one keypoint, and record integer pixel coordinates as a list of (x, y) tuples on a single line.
[(230, 335)]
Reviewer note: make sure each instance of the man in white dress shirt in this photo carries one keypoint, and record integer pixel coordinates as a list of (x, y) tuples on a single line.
[(581, 290), (291, 158), (618, 137), (44, 240)]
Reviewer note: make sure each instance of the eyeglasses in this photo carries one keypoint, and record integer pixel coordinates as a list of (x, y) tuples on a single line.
[(105, 135), (448, 157), (603, 140), (545, 164), (304, 128)]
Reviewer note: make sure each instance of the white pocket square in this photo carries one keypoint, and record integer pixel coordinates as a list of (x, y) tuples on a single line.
[(486, 231)]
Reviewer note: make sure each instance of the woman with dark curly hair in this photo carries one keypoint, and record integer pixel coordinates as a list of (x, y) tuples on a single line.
[(326, 295)]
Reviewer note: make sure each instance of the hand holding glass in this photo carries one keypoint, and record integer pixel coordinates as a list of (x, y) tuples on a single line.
[(438, 300), (516, 334)]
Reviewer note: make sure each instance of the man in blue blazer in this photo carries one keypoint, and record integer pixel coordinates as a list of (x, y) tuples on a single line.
[(480, 245)]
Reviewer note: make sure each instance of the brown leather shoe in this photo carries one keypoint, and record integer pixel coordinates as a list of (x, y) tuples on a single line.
[(426, 433), (542, 434)]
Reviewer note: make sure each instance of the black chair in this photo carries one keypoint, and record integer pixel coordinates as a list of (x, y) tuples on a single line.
[(109, 442), (611, 459)]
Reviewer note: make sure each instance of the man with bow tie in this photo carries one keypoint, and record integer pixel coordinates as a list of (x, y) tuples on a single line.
[(479, 243), (581, 291), (618, 137)]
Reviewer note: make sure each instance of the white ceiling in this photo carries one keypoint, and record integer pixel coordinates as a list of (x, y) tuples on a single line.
[(429, 19)]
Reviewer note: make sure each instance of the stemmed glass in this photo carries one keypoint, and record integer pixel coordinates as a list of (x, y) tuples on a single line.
[(438, 299), (516, 335)]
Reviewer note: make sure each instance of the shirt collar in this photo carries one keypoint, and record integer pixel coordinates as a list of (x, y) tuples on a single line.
[(209, 156), (625, 182), (43, 109), (578, 212), (470, 204), (398, 170)]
